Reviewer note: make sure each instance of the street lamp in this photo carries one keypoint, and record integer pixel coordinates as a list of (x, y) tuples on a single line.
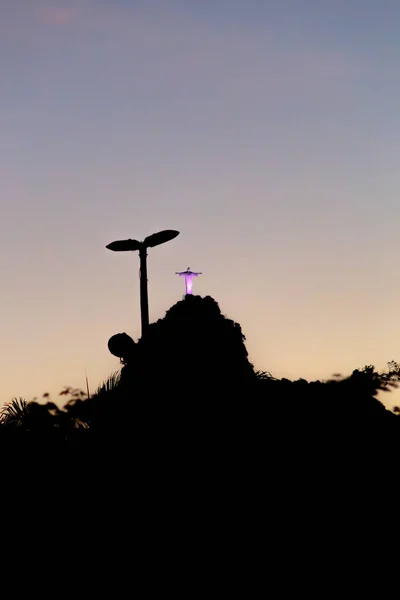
[(131, 246)]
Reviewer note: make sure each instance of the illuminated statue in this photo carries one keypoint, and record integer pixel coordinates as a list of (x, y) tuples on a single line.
[(188, 275)]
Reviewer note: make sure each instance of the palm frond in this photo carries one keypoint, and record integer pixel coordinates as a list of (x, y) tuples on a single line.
[(80, 424), (13, 412), (110, 384), (262, 375)]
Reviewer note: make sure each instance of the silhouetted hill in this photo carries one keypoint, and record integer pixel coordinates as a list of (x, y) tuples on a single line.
[(194, 349), (189, 382)]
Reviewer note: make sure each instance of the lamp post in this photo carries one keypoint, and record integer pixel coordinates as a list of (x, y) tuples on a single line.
[(133, 245)]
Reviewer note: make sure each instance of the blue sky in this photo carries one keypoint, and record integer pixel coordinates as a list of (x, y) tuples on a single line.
[(266, 132)]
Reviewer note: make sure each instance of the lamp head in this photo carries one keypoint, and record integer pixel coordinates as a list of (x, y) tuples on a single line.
[(124, 246), (160, 238)]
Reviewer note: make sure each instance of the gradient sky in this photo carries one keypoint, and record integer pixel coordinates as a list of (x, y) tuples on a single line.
[(265, 131)]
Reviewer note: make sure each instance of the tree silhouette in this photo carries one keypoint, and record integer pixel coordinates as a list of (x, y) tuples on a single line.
[(189, 378)]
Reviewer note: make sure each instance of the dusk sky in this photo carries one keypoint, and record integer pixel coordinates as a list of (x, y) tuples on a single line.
[(265, 131)]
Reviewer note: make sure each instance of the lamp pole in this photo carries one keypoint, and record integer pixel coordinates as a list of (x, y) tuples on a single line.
[(133, 245), (144, 296)]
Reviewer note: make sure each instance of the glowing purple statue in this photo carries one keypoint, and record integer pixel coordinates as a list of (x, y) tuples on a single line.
[(188, 275)]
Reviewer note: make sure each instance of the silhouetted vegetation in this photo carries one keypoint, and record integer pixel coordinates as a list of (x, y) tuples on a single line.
[(190, 378)]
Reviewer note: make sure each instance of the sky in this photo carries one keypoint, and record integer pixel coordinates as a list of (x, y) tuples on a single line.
[(265, 131)]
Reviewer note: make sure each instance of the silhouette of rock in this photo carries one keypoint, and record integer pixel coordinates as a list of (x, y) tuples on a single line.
[(194, 347)]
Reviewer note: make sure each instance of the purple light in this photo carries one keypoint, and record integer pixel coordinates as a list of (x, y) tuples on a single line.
[(188, 275)]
